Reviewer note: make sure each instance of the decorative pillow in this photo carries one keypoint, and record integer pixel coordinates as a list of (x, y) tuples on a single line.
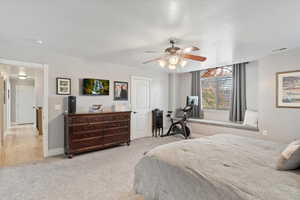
[(290, 157), (251, 118)]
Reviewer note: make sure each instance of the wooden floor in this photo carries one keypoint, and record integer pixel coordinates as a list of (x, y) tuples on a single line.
[(22, 144)]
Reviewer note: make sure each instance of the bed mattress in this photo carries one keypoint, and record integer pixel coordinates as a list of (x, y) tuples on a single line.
[(220, 167)]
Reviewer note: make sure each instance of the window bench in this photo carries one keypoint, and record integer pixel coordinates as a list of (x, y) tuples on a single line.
[(230, 125)]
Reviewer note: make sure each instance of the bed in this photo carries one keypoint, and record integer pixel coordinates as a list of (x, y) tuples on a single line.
[(220, 167)]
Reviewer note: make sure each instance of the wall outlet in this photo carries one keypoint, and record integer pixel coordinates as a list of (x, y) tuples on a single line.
[(265, 132)]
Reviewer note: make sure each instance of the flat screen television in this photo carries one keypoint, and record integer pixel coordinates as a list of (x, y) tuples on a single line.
[(192, 101), (95, 87)]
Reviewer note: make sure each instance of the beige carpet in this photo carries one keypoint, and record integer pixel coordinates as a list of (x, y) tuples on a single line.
[(101, 175)]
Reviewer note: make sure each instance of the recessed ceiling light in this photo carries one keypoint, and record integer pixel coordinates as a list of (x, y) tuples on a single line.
[(281, 49), (39, 41)]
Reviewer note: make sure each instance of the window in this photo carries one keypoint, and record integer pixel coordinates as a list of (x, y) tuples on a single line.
[(216, 87)]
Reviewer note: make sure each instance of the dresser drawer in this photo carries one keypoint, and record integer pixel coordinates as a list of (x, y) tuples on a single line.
[(97, 126), (116, 139), (86, 134), (105, 118), (78, 120), (116, 131), (87, 143)]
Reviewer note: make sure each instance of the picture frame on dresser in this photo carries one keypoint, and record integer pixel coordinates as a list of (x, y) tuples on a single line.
[(63, 86), (288, 89)]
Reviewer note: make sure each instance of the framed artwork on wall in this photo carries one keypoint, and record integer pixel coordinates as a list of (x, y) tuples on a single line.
[(63, 86), (120, 91), (95, 87), (288, 89)]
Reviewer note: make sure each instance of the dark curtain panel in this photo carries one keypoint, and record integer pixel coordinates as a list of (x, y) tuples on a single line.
[(238, 96), (196, 91)]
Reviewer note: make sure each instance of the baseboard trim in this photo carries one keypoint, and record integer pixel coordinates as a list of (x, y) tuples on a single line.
[(55, 152)]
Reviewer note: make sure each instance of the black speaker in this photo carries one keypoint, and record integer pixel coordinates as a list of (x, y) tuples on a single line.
[(157, 122), (72, 104)]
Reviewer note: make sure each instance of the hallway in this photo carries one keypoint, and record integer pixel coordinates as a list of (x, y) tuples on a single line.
[(22, 144)]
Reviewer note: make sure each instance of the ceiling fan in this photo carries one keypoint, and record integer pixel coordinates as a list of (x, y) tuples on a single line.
[(174, 56)]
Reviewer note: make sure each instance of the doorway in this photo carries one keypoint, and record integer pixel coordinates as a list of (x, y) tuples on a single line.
[(25, 137), (140, 102)]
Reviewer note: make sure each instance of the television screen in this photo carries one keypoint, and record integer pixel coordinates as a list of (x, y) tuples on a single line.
[(192, 101), (95, 87)]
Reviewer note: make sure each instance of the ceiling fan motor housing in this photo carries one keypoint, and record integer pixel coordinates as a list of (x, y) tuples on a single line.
[(172, 50)]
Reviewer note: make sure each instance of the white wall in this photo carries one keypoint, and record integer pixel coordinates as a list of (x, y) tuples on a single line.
[(174, 91), (6, 106), (1, 109), (39, 87), (252, 85), (185, 88), (280, 123), (77, 69), (6, 109), (8, 103)]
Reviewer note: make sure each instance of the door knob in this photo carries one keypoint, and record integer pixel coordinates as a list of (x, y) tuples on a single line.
[(134, 112)]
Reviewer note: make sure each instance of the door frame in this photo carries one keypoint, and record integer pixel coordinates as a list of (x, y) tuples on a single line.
[(150, 96), (45, 68)]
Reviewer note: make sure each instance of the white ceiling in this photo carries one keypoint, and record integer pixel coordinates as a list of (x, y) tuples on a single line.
[(119, 31)]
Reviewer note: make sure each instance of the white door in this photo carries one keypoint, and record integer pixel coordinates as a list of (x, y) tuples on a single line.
[(140, 104), (25, 112)]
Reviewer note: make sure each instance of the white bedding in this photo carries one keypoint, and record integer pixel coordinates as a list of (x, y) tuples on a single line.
[(220, 167)]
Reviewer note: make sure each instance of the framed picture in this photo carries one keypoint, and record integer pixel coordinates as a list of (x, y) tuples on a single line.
[(95, 87), (120, 91), (288, 89), (63, 86)]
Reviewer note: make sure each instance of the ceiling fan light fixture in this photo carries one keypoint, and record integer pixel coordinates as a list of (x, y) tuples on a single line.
[(183, 63), (187, 50), (173, 60), (162, 63), (172, 67), (175, 56)]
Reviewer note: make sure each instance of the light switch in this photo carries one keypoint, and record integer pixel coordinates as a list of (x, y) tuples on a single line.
[(57, 107)]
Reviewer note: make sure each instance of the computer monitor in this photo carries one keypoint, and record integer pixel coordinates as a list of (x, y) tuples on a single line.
[(192, 101)]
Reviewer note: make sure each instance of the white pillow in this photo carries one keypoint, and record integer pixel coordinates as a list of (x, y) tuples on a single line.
[(251, 118), (290, 157)]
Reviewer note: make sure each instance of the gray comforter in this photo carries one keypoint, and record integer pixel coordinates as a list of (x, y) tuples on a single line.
[(220, 167)]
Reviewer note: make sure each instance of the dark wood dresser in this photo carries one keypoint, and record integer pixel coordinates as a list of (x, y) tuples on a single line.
[(93, 131)]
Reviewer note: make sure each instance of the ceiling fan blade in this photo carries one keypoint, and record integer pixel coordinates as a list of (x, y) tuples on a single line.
[(193, 57), (155, 59), (152, 52), (189, 49)]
